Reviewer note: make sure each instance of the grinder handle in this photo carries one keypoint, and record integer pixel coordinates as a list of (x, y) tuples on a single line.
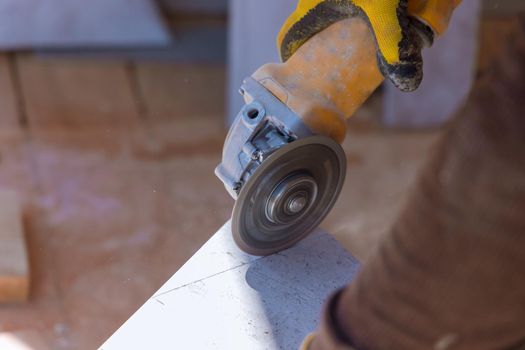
[(328, 78)]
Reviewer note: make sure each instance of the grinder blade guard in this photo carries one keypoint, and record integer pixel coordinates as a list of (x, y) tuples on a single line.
[(285, 180)]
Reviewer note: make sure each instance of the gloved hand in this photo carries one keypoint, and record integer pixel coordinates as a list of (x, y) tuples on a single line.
[(401, 28)]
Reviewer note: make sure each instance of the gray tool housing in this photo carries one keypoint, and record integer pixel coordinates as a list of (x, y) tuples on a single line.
[(263, 125)]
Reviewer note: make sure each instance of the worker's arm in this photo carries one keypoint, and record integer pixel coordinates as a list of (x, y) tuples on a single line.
[(450, 274), (400, 28)]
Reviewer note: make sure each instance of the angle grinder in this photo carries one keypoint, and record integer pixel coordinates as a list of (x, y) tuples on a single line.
[(282, 160)]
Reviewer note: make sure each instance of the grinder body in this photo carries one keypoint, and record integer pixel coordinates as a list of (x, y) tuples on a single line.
[(282, 161), (328, 78)]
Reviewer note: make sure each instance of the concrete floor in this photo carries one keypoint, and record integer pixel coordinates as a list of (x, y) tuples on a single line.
[(117, 196), (119, 192)]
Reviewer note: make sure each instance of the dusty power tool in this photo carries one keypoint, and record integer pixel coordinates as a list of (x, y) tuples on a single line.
[(282, 160)]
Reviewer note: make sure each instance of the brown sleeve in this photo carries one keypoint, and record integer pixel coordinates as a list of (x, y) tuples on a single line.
[(451, 273), (330, 335)]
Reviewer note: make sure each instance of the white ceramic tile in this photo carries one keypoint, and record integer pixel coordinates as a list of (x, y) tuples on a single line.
[(219, 254), (234, 301)]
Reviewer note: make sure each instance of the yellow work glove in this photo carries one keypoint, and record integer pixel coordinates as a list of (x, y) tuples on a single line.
[(401, 29)]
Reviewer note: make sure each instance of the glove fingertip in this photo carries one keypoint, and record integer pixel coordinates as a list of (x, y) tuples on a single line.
[(406, 76)]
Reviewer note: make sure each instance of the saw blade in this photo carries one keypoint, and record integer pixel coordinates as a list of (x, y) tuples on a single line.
[(288, 195)]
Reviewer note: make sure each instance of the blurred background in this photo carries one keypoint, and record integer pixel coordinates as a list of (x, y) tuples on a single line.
[(112, 119)]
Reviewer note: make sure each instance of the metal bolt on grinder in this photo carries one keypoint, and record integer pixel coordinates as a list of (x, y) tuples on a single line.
[(282, 160)]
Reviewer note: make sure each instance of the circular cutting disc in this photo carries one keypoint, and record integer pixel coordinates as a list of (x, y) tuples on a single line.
[(288, 195)]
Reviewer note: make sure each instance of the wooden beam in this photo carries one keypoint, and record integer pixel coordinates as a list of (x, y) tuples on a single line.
[(14, 266), (8, 96), (69, 94)]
